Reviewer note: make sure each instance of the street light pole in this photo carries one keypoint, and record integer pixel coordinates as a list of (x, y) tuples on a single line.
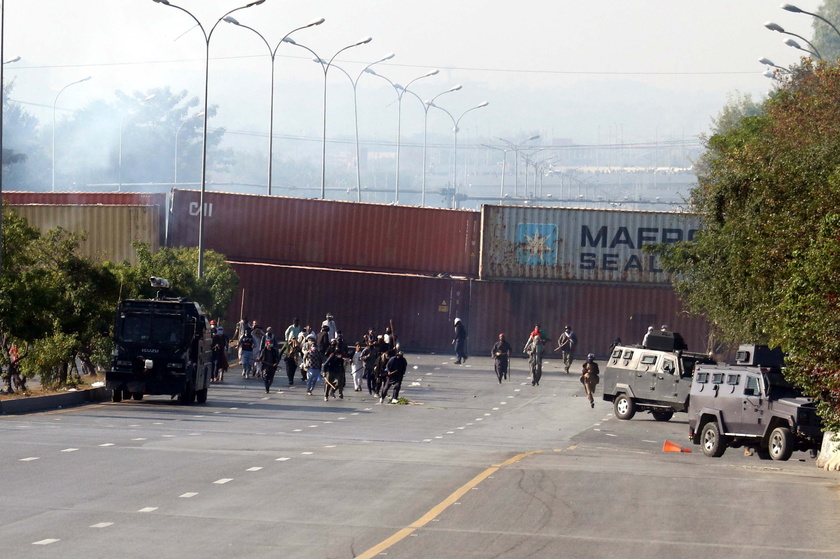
[(207, 37), (325, 66), (401, 90), (426, 106), (355, 83), (516, 148), (504, 167), (273, 53), (794, 9), (53, 127), (177, 133), (456, 122), (790, 42)]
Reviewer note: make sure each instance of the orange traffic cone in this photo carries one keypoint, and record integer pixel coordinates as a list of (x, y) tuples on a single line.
[(673, 447)]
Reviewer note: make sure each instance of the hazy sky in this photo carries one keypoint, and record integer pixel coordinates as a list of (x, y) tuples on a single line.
[(591, 71)]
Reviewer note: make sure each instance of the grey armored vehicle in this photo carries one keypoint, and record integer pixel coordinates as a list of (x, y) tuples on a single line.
[(654, 378), (751, 404)]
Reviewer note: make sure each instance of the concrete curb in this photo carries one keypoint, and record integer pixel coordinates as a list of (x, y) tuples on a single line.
[(34, 404)]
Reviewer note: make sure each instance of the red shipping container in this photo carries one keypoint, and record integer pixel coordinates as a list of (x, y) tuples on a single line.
[(328, 233), (422, 309)]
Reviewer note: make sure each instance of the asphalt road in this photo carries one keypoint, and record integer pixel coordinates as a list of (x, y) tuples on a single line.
[(469, 468)]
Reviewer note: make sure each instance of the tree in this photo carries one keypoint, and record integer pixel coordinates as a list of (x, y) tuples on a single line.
[(825, 38), (214, 291), (767, 185)]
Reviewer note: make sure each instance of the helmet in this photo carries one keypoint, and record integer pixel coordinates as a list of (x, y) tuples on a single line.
[(590, 357), (268, 343)]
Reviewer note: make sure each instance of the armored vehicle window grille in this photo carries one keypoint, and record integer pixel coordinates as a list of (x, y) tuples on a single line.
[(717, 378), (648, 359), (751, 386), (733, 380), (628, 354), (702, 378), (616, 353)]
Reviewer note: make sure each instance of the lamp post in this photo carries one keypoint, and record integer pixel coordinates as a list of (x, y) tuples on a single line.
[(207, 37), (426, 106), (325, 66), (456, 129), (504, 167), (401, 90), (790, 42), (794, 9), (355, 83), (768, 62), (178, 133), (53, 127), (516, 148), (122, 123), (273, 54)]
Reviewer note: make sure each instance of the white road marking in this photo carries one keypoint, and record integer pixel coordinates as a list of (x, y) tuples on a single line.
[(102, 525), (341, 418), (296, 430), (254, 469), (188, 495), (311, 426), (30, 459), (168, 436), (330, 446), (439, 437), (427, 440), (157, 423), (496, 409), (223, 481), (70, 450), (479, 418), (486, 414), (134, 426), (461, 427), (107, 444), (283, 459), (450, 432), (148, 509), (45, 542), (307, 453), (611, 434), (139, 439)]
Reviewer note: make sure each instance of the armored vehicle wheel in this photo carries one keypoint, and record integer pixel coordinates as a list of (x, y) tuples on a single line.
[(116, 395), (126, 395), (780, 444), (713, 443), (763, 453), (137, 395), (201, 396), (625, 407), (662, 415)]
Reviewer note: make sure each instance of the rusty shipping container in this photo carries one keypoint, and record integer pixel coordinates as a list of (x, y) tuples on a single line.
[(325, 233), (597, 313), (422, 309), (158, 199), (110, 229), (577, 244)]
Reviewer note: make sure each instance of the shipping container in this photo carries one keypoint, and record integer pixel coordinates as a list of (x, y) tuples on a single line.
[(158, 199), (577, 244), (597, 313), (328, 233), (110, 229), (422, 309)]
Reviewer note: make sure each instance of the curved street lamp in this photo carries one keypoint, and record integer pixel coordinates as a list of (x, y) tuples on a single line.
[(401, 90), (355, 83), (794, 9), (207, 37), (456, 129), (426, 106), (273, 54), (53, 127), (325, 66), (178, 133), (516, 148), (790, 42)]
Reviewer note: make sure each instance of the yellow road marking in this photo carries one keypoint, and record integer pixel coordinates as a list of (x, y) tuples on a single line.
[(440, 507)]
